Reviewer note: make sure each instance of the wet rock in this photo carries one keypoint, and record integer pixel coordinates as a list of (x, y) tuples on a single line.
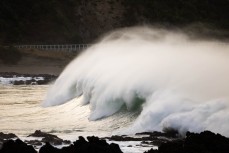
[(1, 143), (157, 138), (172, 147), (42, 82), (16, 146), (48, 148), (36, 79), (39, 133), (93, 145), (33, 142), (31, 82), (18, 82), (152, 151), (205, 142), (4, 137), (114, 148), (46, 137), (167, 134), (7, 136), (154, 138), (8, 74), (123, 138), (158, 142), (80, 142), (53, 140)]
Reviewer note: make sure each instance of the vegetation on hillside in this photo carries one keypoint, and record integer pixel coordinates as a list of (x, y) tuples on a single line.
[(38, 21), (82, 21), (9, 55), (179, 12)]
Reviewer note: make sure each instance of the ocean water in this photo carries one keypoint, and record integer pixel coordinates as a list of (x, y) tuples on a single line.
[(21, 113)]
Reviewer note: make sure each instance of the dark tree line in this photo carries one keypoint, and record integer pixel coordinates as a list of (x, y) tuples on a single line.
[(59, 21)]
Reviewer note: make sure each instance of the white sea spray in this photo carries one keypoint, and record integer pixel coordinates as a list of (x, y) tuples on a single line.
[(177, 82)]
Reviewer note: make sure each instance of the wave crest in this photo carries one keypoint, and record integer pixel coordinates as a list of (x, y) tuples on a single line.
[(177, 82)]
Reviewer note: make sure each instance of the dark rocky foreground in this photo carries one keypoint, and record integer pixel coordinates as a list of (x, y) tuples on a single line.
[(204, 142), (91, 145), (35, 79)]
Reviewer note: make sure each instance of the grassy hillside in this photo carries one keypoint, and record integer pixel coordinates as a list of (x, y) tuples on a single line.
[(83, 21)]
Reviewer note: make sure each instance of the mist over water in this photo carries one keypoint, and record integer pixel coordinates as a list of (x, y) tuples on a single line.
[(176, 82)]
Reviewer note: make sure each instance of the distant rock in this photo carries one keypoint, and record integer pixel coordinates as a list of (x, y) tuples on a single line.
[(7, 136), (149, 138), (34, 142), (26, 79), (39, 133), (123, 138), (168, 134), (19, 82), (46, 137), (157, 138)]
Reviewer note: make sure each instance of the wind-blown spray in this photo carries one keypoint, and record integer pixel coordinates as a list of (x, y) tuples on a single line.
[(177, 83)]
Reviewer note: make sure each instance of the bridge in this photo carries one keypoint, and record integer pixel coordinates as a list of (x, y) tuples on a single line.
[(59, 47)]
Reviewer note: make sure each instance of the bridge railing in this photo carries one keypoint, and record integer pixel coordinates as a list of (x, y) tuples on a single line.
[(59, 47)]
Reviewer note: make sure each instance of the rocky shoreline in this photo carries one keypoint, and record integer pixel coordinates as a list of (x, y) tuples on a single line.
[(26, 79), (204, 142)]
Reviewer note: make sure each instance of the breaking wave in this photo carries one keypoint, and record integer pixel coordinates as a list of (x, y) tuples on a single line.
[(176, 82)]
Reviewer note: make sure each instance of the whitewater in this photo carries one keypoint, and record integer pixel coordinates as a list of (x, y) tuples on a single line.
[(171, 81), (21, 114)]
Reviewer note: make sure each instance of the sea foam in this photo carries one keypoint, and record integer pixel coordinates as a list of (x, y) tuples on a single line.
[(176, 82)]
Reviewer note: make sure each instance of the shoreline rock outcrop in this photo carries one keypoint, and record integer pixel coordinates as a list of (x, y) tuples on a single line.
[(16, 146), (204, 142), (93, 145), (26, 79), (46, 137)]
